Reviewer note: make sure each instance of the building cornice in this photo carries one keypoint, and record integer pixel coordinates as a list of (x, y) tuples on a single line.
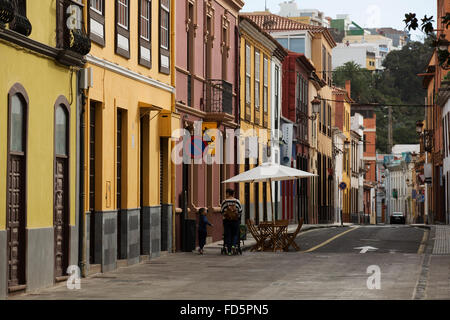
[(128, 73), (62, 56)]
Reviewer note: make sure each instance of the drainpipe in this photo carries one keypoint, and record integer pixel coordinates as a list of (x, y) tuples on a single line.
[(82, 217), (172, 82)]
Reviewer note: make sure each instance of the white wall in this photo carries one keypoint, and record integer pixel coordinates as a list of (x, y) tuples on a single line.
[(343, 54), (446, 168)]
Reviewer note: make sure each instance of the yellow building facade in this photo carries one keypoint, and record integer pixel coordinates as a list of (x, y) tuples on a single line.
[(129, 121), (38, 134), (342, 121), (321, 51), (257, 48)]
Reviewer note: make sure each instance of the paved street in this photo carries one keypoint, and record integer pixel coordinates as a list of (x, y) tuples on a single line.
[(328, 267)]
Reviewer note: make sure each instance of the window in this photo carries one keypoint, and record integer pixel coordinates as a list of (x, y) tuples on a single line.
[(324, 117), (145, 19), (61, 131), (145, 32), (165, 24), (96, 23), (248, 68), (122, 13), (266, 85), (225, 45), (97, 6), (329, 120), (297, 45), (324, 63), (17, 132), (257, 79), (277, 95), (365, 142), (330, 68), (122, 28), (164, 38)]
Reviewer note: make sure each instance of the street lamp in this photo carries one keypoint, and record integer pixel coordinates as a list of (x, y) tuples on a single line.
[(347, 144), (316, 106), (315, 110)]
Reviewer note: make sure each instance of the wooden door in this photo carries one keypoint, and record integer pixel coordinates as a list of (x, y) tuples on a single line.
[(16, 222), (61, 223), (16, 192), (61, 192)]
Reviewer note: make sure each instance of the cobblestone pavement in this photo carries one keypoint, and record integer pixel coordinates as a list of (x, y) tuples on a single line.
[(442, 240), (321, 274)]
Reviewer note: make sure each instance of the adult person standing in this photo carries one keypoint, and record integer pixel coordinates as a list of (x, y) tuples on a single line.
[(231, 210)]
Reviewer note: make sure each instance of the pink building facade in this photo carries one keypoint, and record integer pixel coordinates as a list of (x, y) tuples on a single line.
[(207, 53)]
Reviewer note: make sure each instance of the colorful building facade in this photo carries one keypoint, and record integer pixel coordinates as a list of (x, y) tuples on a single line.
[(38, 115), (128, 123), (342, 122), (207, 98), (257, 51)]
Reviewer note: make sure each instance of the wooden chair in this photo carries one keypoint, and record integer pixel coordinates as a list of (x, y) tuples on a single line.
[(256, 235), (291, 236), (279, 238)]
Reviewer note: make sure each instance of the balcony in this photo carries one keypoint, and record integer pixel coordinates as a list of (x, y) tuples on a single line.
[(218, 103), (71, 37), (6, 11)]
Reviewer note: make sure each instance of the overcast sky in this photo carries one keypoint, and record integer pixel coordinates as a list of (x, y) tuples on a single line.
[(366, 13)]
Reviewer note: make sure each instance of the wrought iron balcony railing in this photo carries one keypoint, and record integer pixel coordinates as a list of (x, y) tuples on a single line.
[(72, 36), (21, 25), (6, 11), (218, 96)]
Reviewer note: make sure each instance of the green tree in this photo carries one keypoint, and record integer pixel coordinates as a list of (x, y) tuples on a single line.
[(397, 84)]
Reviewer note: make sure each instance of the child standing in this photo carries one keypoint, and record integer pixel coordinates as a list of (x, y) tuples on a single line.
[(202, 232)]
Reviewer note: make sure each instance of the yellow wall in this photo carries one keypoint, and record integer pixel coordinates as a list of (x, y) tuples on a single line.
[(42, 16), (346, 176), (249, 125), (369, 62), (113, 90), (44, 82), (108, 52)]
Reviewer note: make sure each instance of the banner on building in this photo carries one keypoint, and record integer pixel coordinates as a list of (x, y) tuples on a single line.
[(286, 148)]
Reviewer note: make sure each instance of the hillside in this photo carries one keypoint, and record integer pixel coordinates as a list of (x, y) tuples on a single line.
[(398, 84)]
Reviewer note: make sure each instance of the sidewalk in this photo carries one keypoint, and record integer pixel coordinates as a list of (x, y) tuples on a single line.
[(250, 242)]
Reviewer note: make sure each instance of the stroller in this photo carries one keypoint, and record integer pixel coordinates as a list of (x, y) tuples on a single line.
[(242, 237)]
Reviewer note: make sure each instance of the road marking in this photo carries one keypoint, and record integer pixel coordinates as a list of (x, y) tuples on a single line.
[(366, 249), (423, 243), (329, 240)]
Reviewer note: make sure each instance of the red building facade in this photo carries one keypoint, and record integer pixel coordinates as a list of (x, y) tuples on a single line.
[(297, 70)]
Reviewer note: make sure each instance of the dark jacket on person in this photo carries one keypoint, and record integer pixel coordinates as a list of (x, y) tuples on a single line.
[(203, 223)]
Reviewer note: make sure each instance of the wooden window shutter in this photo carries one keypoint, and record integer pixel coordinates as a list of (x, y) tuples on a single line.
[(145, 33), (164, 36), (122, 27), (96, 21)]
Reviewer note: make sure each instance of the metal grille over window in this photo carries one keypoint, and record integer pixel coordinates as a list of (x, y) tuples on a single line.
[(220, 96)]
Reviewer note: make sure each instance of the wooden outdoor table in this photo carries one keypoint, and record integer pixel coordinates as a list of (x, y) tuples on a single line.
[(275, 232)]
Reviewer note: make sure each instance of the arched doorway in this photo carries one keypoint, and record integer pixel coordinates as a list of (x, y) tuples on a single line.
[(16, 187), (61, 188)]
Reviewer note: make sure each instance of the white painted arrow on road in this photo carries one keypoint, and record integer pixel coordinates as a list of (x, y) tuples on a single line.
[(366, 249)]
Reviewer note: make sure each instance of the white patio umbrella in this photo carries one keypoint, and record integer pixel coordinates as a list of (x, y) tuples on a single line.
[(269, 172)]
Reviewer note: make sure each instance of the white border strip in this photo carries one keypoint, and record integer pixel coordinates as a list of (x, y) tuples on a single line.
[(127, 73)]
